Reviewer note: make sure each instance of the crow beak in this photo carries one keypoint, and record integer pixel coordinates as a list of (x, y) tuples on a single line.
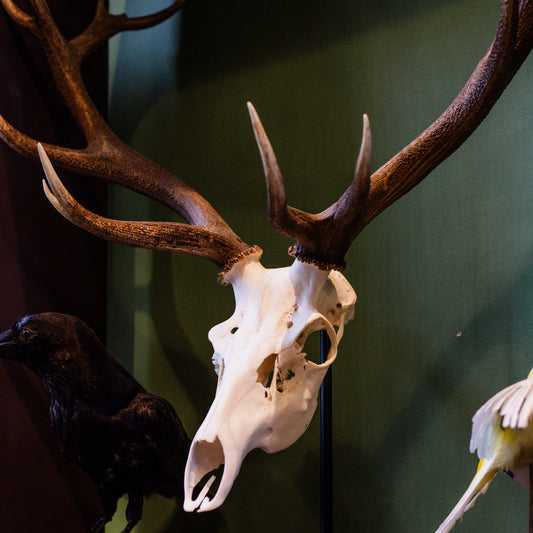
[(8, 347)]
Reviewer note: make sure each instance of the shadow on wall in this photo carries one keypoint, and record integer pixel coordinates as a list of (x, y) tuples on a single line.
[(289, 28), (181, 354), (368, 477)]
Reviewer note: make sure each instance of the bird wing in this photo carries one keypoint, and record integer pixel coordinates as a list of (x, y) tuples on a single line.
[(510, 408), (156, 420), (516, 412)]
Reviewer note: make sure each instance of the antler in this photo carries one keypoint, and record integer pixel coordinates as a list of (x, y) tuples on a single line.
[(324, 238), (106, 156), (321, 238)]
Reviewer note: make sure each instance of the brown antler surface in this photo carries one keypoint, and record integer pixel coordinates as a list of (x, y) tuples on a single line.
[(206, 234), (324, 238), (321, 238)]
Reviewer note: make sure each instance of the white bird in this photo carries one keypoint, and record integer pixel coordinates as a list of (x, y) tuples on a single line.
[(502, 434)]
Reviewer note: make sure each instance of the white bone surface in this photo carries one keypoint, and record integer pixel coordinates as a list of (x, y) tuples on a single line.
[(267, 389)]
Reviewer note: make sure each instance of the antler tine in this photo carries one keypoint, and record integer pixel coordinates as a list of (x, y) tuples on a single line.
[(510, 47), (107, 157), (105, 25), (18, 15), (347, 208), (324, 238), (277, 209), (65, 58), (166, 236)]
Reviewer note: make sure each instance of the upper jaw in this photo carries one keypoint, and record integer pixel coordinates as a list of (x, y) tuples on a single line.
[(206, 458)]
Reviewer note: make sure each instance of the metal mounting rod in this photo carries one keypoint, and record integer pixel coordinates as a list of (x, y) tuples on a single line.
[(326, 442)]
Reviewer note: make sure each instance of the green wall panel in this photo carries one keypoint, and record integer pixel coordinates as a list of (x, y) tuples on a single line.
[(443, 277)]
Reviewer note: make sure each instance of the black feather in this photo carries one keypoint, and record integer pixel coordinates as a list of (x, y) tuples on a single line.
[(128, 440)]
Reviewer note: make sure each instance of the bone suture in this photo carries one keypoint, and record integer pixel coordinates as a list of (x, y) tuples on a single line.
[(129, 441)]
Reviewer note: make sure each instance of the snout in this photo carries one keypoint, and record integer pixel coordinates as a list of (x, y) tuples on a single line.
[(209, 474), (8, 346)]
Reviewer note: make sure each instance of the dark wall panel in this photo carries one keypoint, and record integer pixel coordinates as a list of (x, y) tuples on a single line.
[(45, 265)]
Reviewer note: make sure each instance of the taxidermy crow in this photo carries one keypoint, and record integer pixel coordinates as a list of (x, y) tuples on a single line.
[(128, 440)]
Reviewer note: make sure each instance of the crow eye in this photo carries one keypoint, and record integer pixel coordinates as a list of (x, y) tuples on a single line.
[(26, 334)]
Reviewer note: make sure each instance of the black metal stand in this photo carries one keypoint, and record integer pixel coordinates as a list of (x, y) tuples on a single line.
[(326, 442)]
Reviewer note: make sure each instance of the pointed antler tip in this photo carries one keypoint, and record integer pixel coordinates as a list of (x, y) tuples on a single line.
[(367, 131), (46, 189), (259, 131), (253, 113), (52, 181), (43, 156)]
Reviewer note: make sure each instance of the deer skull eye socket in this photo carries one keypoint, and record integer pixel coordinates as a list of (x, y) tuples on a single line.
[(309, 340), (310, 347)]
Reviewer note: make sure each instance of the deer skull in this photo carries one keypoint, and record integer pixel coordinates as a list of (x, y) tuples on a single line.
[(267, 388)]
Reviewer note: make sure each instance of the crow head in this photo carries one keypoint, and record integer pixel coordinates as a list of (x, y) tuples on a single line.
[(34, 341), (68, 357)]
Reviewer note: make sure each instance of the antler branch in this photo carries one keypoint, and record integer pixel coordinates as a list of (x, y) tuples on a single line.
[(169, 236), (324, 238), (491, 76), (18, 15), (320, 238), (105, 25), (106, 156)]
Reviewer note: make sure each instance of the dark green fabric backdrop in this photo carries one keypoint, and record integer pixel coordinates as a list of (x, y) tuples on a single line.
[(443, 277)]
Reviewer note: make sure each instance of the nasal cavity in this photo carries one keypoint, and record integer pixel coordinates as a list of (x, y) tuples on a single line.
[(210, 459), (265, 372)]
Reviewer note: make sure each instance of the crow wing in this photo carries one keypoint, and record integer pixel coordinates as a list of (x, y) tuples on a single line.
[(157, 424)]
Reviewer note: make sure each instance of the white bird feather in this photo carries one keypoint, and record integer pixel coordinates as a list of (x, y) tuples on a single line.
[(502, 434)]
